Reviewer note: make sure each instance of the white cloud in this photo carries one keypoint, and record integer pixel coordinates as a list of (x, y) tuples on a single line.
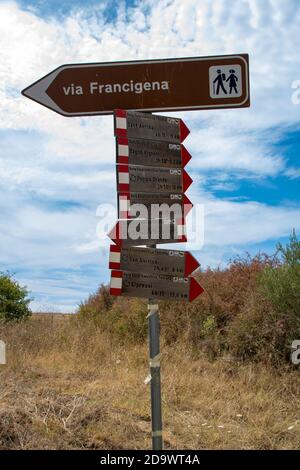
[(234, 223), (227, 149)]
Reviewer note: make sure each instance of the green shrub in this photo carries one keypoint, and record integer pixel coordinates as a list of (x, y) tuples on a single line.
[(204, 325), (270, 320), (14, 299), (126, 318), (251, 333), (281, 287)]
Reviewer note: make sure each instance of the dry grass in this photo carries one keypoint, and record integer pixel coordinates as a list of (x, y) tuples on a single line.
[(71, 386)]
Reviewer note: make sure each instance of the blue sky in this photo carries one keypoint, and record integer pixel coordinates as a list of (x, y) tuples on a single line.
[(56, 171), (46, 8)]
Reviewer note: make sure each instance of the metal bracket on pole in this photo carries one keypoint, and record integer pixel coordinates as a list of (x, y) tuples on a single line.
[(155, 361), (152, 309)]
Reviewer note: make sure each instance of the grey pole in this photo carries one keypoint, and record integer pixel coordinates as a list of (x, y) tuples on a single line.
[(154, 359)]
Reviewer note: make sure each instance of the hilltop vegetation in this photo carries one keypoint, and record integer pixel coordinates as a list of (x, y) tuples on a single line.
[(249, 311)]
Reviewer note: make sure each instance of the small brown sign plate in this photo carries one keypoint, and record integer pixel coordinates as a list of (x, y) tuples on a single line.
[(138, 232), (162, 286), (152, 261), (129, 204), (151, 153), (147, 126), (148, 179)]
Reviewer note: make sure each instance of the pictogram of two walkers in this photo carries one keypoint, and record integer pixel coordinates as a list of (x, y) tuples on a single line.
[(221, 78)]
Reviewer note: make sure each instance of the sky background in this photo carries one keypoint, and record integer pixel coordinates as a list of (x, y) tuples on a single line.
[(55, 171)]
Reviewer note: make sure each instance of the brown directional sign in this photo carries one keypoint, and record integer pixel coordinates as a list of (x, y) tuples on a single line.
[(129, 204), (149, 85), (152, 261), (148, 232), (136, 125), (151, 153), (162, 286), (147, 179)]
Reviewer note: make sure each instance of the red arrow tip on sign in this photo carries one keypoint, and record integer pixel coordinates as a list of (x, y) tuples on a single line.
[(186, 156), (114, 233), (195, 289), (187, 180), (184, 131), (187, 205), (190, 264)]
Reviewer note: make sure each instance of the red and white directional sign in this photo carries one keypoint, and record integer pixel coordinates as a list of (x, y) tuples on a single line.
[(149, 85), (151, 153), (152, 261), (137, 232), (129, 203), (162, 286), (130, 124), (132, 178)]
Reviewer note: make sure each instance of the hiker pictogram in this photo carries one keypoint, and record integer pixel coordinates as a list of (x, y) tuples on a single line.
[(233, 79), (225, 81), (218, 82)]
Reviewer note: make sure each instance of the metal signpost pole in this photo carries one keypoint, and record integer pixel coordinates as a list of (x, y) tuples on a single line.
[(155, 383), (154, 362)]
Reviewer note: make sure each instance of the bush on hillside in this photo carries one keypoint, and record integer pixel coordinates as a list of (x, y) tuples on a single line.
[(282, 286), (96, 305), (14, 299), (205, 323), (123, 317), (270, 321)]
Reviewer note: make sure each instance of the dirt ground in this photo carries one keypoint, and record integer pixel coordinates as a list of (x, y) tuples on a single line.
[(70, 387)]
